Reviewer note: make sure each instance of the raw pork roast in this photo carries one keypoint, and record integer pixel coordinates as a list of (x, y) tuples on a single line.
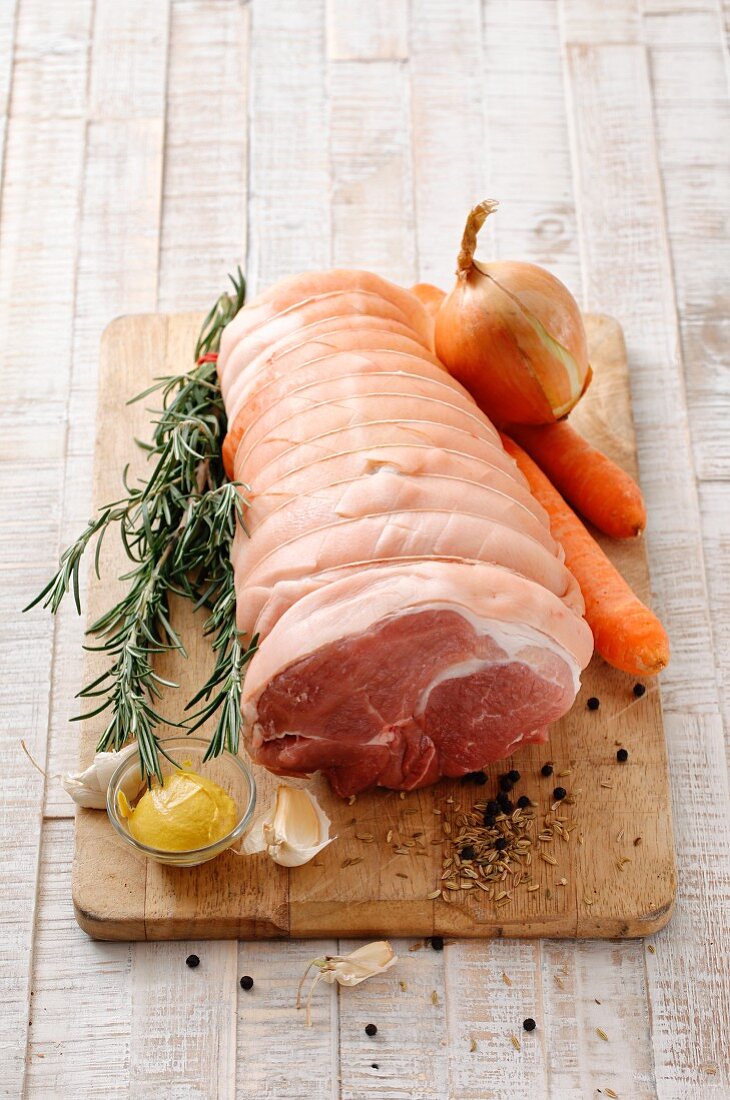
[(415, 614)]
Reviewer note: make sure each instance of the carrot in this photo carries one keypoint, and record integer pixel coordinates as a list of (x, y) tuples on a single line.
[(429, 296), (626, 633), (599, 489)]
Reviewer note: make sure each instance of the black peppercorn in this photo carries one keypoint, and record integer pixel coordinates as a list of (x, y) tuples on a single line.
[(467, 852), (192, 961), (593, 703), (523, 802), (490, 820), (500, 844), (246, 982), (374, 1065), (479, 778), (559, 794), (505, 783), (529, 1024), (514, 775), (505, 804), (639, 690), (371, 1029), (492, 807), (437, 943), (546, 769), (622, 756)]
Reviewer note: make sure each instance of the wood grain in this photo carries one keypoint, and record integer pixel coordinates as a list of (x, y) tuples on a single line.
[(279, 1057), (51, 59), (372, 210), (374, 31), (289, 210), (688, 73), (610, 94), (38, 226), (527, 152), (79, 1037), (206, 147), (446, 41), (696, 185), (385, 893)]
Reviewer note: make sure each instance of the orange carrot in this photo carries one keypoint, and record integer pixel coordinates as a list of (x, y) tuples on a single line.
[(429, 296), (627, 634), (600, 490)]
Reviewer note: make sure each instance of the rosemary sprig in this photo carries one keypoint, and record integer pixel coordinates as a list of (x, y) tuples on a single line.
[(177, 527)]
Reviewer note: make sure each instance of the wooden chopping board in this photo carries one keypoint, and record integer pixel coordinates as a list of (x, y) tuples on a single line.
[(614, 877)]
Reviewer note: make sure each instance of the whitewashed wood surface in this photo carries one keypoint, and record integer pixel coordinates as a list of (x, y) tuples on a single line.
[(147, 147)]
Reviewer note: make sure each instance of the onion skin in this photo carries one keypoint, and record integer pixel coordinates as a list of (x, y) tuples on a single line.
[(513, 335)]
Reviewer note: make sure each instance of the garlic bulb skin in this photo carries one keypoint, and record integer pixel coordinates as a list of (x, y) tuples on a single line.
[(88, 788), (362, 963), (294, 830)]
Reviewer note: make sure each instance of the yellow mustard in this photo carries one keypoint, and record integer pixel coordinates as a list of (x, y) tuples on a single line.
[(188, 811)]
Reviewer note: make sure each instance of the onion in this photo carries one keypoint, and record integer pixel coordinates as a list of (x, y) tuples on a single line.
[(513, 335)]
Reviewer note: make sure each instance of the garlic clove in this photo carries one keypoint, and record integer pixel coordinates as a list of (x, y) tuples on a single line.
[(296, 819), (88, 788), (294, 830), (364, 962), (348, 970)]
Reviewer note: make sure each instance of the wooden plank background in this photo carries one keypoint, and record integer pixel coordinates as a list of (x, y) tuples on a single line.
[(145, 148)]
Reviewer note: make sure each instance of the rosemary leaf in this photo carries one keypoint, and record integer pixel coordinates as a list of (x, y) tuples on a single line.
[(176, 527)]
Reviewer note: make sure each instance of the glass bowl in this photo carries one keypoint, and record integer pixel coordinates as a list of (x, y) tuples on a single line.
[(227, 770)]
